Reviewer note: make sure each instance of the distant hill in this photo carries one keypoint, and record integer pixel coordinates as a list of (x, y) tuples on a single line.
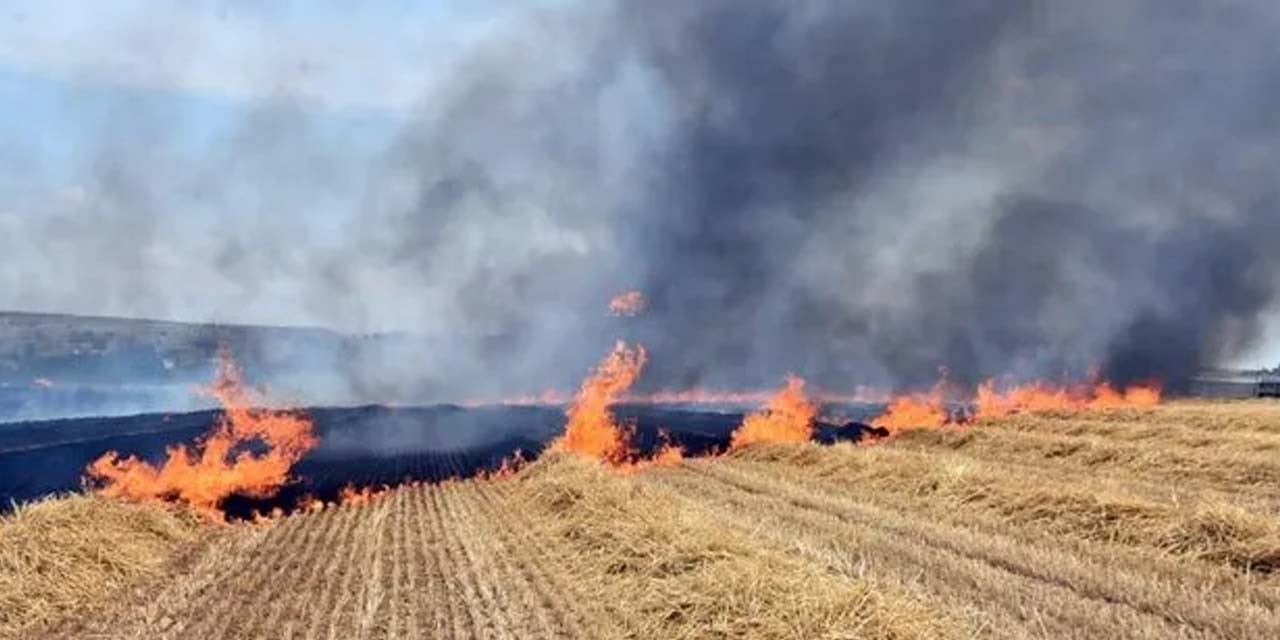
[(61, 365), (68, 349)]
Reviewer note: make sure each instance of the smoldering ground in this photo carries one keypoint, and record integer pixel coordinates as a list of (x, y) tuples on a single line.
[(859, 192)]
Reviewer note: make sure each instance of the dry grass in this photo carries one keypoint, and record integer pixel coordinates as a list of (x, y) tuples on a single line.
[(1137, 524), (997, 582), (1093, 509), (1214, 416), (1254, 474), (670, 570), (71, 554)]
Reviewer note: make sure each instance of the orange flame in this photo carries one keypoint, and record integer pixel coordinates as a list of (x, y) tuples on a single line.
[(203, 475), (1134, 396), (350, 495), (507, 467), (915, 410), (1040, 396), (668, 455), (788, 417), (631, 303), (592, 429)]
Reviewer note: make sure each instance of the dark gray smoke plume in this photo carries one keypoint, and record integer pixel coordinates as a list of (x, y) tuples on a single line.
[(859, 192)]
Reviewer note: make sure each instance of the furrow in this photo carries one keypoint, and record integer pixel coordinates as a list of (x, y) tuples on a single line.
[(452, 583), (282, 593), (433, 598), (529, 613), (554, 595), (236, 596), (341, 618), (370, 618), (412, 557), (489, 618), (400, 590), (326, 588), (289, 607)]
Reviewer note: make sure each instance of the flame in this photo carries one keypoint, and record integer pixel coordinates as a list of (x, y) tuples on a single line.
[(311, 504), (628, 304), (668, 455), (592, 429), (202, 475), (1040, 396), (270, 517), (351, 495), (787, 417), (1134, 396), (914, 410), (506, 468)]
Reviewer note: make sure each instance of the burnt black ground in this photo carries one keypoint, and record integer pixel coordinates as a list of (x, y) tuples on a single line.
[(371, 445)]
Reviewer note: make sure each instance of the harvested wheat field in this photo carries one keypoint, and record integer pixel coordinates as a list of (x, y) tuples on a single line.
[(1144, 523)]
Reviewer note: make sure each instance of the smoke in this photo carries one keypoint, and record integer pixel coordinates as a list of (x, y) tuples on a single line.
[(858, 192)]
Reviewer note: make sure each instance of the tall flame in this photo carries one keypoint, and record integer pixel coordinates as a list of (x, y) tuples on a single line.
[(787, 417), (222, 464), (592, 430), (630, 303)]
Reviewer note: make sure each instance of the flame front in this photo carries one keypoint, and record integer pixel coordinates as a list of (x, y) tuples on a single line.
[(352, 495), (592, 430), (206, 473), (915, 410), (1039, 396), (787, 417)]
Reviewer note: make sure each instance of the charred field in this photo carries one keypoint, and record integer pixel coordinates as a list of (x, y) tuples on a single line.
[(368, 446)]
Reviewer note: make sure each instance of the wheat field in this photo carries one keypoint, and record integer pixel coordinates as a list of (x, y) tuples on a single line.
[(1154, 523)]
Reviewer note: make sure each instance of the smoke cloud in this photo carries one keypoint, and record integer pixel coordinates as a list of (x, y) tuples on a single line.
[(857, 192)]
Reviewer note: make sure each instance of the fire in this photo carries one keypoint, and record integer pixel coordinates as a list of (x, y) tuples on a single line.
[(592, 429), (311, 504), (507, 467), (787, 417), (631, 303), (668, 455), (202, 475), (270, 517), (1040, 396), (353, 496), (1135, 396), (915, 410)]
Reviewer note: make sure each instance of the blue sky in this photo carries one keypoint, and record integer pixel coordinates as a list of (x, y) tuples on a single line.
[(382, 57)]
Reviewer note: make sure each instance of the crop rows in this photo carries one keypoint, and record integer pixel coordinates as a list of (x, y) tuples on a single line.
[(1153, 524)]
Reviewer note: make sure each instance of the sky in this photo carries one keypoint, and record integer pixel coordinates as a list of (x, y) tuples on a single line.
[(228, 161), (150, 98)]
